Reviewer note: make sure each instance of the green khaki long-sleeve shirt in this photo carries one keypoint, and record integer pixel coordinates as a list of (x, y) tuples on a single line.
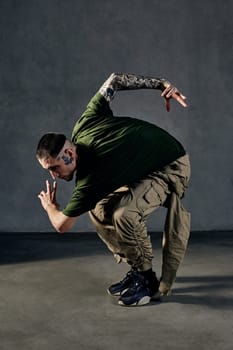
[(113, 152)]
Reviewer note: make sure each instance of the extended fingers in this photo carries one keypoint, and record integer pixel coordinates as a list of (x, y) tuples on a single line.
[(50, 189), (173, 92), (48, 186), (43, 194), (55, 186), (180, 99)]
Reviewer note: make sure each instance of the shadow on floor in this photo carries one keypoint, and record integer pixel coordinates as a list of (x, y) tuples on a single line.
[(212, 291), (26, 247)]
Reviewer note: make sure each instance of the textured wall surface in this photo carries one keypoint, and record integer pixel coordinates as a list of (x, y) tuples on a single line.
[(54, 56)]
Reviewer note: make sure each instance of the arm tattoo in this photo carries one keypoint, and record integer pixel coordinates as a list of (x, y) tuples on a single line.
[(129, 82)]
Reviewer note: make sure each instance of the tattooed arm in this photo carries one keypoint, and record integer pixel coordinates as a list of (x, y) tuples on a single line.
[(131, 82)]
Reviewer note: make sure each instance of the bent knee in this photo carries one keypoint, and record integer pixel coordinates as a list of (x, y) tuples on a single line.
[(124, 217)]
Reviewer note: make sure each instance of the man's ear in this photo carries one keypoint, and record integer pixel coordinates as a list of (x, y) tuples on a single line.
[(69, 152)]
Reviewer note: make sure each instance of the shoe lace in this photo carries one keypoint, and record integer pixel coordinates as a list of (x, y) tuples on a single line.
[(138, 281), (128, 275)]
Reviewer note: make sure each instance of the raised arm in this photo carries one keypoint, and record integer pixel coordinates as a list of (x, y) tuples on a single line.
[(123, 81)]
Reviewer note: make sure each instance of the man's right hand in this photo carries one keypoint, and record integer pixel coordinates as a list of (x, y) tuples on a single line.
[(49, 197)]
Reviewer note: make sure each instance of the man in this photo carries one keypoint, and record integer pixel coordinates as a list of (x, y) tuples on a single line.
[(125, 169)]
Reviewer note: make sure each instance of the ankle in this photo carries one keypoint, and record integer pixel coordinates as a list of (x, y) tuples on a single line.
[(149, 275)]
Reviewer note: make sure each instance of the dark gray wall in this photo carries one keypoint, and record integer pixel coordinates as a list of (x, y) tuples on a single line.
[(54, 56)]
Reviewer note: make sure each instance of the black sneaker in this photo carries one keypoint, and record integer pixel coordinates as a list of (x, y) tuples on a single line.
[(140, 292), (119, 288), (137, 294)]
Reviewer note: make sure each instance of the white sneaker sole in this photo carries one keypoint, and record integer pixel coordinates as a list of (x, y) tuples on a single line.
[(145, 300)]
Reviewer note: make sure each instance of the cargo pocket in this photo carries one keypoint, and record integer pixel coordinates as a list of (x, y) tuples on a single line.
[(151, 199)]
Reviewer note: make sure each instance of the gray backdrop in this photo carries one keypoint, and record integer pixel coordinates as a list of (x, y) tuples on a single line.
[(56, 54)]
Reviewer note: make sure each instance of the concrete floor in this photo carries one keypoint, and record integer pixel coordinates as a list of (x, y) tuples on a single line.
[(52, 296)]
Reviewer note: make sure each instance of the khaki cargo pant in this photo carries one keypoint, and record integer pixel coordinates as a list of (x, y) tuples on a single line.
[(120, 220)]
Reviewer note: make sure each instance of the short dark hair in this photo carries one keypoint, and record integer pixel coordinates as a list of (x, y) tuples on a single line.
[(50, 144)]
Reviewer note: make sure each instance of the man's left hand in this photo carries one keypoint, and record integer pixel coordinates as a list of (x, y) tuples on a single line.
[(171, 91)]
